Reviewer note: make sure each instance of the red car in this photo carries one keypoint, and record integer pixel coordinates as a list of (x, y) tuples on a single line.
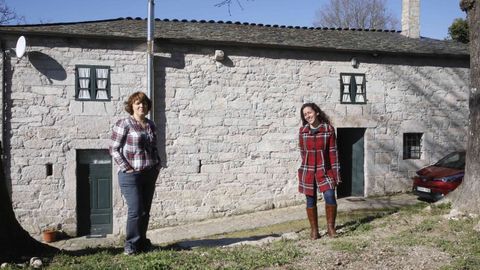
[(437, 180)]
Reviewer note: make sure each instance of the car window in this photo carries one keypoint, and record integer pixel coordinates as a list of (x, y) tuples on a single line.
[(454, 160)]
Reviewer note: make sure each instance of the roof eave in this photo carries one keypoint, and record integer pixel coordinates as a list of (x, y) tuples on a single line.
[(235, 43), (309, 48)]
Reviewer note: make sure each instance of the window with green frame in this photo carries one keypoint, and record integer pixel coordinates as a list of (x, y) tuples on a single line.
[(92, 83), (412, 145), (353, 88)]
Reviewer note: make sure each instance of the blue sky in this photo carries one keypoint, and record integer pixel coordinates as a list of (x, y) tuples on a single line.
[(436, 15)]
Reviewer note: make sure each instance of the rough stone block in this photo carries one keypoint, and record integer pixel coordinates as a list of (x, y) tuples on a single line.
[(48, 90), (355, 110), (212, 121), (383, 158), (33, 172), (38, 144)]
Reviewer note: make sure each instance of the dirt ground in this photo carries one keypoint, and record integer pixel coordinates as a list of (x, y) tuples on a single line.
[(419, 239)]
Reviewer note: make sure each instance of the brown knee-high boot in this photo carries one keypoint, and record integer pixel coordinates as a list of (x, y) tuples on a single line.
[(331, 213), (313, 219)]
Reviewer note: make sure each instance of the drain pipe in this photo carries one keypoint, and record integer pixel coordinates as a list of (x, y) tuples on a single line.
[(150, 37)]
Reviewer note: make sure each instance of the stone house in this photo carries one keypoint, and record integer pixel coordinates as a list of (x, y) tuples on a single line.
[(227, 127)]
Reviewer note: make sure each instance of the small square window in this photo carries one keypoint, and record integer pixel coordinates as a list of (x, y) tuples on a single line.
[(92, 83), (353, 88), (412, 145)]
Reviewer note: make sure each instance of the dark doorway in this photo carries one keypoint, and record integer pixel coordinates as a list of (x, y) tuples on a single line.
[(94, 192), (350, 144)]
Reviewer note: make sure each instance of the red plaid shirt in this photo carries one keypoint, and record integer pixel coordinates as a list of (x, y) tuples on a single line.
[(319, 159), (134, 147)]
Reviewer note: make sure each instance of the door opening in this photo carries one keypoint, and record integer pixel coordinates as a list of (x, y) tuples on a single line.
[(350, 143), (94, 192)]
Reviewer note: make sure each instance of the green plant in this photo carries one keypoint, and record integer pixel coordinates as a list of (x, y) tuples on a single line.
[(459, 30), (426, 225), (355, 246)]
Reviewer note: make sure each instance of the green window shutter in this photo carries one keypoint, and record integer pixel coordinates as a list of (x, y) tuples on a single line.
[(353, 88), (92, 83)]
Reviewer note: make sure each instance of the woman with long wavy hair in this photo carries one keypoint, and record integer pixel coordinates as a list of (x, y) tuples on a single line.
[(320, 169)]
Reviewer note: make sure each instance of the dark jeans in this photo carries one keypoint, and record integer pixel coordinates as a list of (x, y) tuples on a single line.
[(328, 196), (137, 188)]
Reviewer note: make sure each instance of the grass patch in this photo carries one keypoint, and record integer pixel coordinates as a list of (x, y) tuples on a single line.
[(243, 257), (455, 237), (427, 225), (360, 223), (416, 225), (441, 208), (416, 235), (463, 263), (352, 246), (363, 228), (464, 244), (355, 220), (413, 209)]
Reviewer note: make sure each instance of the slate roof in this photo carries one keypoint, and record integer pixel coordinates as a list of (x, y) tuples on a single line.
[(249, 34)]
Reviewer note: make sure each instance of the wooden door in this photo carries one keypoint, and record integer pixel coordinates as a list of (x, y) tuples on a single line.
[(350, 143), (94, 193)]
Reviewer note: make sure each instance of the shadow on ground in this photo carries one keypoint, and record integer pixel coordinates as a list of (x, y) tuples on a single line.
[(187, 245), (183, 245), (352, 225)]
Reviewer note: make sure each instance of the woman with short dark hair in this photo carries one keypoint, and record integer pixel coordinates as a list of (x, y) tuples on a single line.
[(320, 170), (134, 150)]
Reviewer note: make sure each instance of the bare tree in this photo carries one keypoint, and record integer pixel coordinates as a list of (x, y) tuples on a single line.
[(228, 4), (7, 15), (465, 197), (365, 14)]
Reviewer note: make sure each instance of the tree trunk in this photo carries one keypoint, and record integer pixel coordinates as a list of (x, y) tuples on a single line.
[(15, 242), (466, 197)]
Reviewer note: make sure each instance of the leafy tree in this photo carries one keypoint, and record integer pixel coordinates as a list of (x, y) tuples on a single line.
[(7, 15), (365, 14), (458, 31), (465, 197)]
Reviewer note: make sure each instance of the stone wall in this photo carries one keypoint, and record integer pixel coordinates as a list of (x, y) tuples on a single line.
[(228, 130)]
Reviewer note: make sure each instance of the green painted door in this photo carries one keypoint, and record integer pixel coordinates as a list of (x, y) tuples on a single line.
[(100, 198), (357, 164), (94, 192), (350, 143)]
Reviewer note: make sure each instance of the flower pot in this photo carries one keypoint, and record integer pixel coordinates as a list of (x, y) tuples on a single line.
[(49, 236)]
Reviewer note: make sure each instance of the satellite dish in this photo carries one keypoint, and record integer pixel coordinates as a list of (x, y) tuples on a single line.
[(21, 47)]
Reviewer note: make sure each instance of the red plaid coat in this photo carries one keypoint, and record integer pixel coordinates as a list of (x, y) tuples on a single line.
[(319, 159)]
